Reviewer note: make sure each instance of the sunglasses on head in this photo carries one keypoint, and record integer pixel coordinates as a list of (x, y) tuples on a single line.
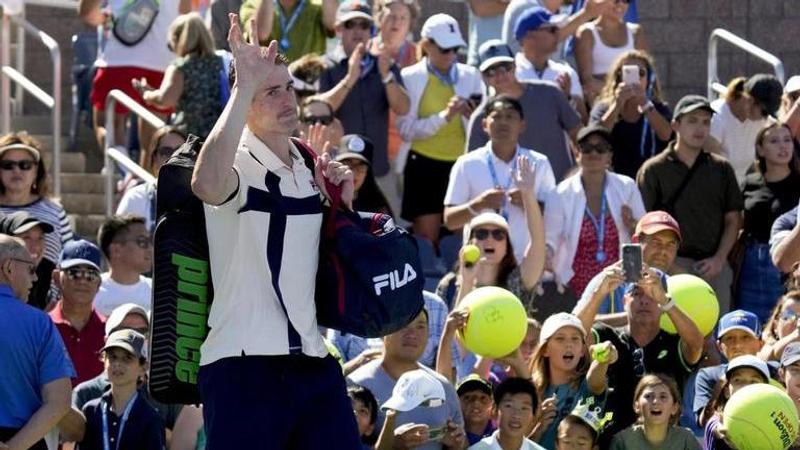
[(446, 51), (311, 120), (363, 24), (482, 234), (601, 149), (24, 165), (89, 275), (499, 69), (140, 241)]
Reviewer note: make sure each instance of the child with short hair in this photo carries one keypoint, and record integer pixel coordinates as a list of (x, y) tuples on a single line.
[(515, 406), (742, 371), (365, 407), (122, 418), (582, 427), (564, 373), (657, 402)]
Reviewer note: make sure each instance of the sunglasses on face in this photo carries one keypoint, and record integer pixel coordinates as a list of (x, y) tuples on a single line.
[(30, 264), (24, 165), (446, 51), (362, 24), (789, 316), (89, 275), (600, 149), (499, 69), (311, 120), (140, 241), (482, 234)]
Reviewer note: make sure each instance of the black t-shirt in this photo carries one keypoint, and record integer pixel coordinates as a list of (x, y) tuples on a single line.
[(633, 144), (144, 429), (765, 201), (661, 355)]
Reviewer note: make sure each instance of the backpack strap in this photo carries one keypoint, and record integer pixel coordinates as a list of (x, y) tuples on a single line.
[(669, 205)]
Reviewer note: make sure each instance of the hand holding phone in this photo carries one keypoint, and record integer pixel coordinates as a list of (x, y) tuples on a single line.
[(632, 262)]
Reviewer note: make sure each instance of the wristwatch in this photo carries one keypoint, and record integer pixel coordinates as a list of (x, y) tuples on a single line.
[(388, 78), (669, 305), (649, 106)]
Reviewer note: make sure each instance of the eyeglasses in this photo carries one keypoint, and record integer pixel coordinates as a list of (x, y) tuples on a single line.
[(789, 316), (446, 51), (594, 148), (311, 120), (140, 241), (499, 69), (24, 165), (31, 265), (89, 275), (482, 234), (363, 24)]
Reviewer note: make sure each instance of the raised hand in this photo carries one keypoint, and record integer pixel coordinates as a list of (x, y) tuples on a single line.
[(525, 178), (253, 64)]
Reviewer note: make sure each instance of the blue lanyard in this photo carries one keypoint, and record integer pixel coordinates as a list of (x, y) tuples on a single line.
[(496, 181), (645, 129), (599, 226), (367, 63), (104, 408), (450, 78), (286, 26)]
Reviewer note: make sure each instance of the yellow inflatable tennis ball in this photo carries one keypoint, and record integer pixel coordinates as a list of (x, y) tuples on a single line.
[(497, 322), (760, 417), (696, 299), (471, 253)]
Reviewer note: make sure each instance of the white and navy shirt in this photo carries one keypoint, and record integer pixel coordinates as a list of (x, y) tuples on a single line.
[(471, 176), (264, 248)]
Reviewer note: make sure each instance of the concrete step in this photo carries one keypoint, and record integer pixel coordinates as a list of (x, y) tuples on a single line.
[(87, 225), (70, 162), (42, 123), (82, 183), (83, 203)]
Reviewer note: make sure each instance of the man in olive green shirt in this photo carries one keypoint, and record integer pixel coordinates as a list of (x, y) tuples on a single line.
[(299, 26)]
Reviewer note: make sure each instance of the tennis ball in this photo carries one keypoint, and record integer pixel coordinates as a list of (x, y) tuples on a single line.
[(761, 417), (696, 299), (497, 322), (601, 354), (471, 253)]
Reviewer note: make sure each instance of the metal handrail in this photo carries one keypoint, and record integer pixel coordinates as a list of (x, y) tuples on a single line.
[(9, 74), (112, 156), (714, 86)]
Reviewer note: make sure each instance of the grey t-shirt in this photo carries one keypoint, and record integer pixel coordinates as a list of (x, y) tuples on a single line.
[(548, 116), (373, 377)]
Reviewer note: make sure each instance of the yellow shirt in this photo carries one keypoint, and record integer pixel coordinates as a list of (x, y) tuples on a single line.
[(448, 143)]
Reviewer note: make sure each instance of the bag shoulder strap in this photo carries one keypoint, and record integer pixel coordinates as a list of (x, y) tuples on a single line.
[(669, 205)]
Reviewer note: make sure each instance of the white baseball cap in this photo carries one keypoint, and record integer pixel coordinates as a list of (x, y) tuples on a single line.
[(559, 321), (121, 312), (792, 85), (413, 389), (443, 30), (750, 361)]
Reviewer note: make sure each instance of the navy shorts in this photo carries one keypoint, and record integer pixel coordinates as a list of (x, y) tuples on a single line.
[(277, 402)]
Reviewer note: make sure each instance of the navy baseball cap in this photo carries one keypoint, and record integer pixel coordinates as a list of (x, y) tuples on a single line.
[(492, 52), (739, 320), (534, 18), (80, 252)]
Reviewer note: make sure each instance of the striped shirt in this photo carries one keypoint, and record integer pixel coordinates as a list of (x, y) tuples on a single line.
[(264, 247), (51, 212)]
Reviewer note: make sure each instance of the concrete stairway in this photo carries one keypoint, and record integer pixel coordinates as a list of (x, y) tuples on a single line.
[(82, 188)]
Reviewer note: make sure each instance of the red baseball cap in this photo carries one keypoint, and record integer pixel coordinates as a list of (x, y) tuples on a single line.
[(655, 221)]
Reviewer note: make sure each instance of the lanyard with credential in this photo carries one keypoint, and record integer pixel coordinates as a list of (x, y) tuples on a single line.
[(599, 226), (286, 26), (104, 408), (496, 181)]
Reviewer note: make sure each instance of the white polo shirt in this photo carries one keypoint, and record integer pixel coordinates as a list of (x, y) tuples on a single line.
[(526, 72), (471, 176), (491, 443), (264, 248)]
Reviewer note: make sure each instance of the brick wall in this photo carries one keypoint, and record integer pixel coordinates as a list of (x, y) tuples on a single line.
[(677, 31)]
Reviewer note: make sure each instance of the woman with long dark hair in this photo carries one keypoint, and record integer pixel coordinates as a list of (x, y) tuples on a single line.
[(768, 192)]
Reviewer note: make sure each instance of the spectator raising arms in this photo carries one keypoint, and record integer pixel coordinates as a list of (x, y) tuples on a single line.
[(442, 94), (594, 207), (601, 41), (634, 112), (770, 191), (193, 83)]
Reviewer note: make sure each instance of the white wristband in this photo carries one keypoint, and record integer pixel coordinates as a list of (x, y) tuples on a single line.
[(472, 211), (669, 305)]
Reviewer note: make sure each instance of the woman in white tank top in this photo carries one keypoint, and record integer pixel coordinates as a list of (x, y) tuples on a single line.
[(601, 42)]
